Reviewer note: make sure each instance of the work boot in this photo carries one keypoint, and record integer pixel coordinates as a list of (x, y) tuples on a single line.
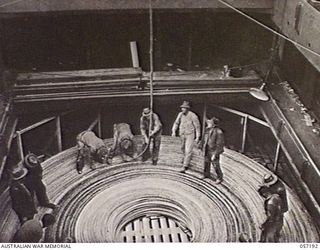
[(183, 169), (50, 205), (154, 162), (218, 181)]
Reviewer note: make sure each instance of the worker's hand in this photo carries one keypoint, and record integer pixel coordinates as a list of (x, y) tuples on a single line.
[(197, 140), (146, 139), (214, 157), (152, 134), (173, 134)]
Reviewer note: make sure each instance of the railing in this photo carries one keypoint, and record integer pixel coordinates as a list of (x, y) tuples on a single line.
[(58, 134)]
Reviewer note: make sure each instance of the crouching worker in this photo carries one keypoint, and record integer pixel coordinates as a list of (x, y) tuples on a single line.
[(90, 148), (123, 143)]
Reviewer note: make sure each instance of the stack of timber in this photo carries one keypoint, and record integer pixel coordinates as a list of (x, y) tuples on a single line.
[(88, 84)]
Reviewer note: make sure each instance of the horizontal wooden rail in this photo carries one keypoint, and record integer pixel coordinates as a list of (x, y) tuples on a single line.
[(242, 114)]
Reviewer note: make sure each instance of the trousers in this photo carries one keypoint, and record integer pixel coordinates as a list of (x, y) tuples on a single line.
[(215, 163), (155, 150), (271, 231), (186, 148)]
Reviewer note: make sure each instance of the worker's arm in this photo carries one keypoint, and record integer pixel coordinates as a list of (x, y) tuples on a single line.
[(196, 124), (176, 124), (219, 142), (115, 138)]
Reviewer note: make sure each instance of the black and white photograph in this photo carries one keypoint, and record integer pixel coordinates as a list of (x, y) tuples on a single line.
[(159, 121)]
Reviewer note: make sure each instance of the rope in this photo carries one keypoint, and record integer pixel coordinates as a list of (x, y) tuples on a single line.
[(270, 29), (150, 82)]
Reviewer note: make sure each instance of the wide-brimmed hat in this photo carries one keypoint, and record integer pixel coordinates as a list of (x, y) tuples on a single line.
[(146, 111), (214, 120), (31, 161), (269, 179), (185, 104), (19, 171)]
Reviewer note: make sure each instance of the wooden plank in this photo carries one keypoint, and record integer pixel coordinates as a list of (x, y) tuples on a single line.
[(155, 229), (35, 125), (146, 229), (174, 231), (163, 224), (128, 234), (77, 73)]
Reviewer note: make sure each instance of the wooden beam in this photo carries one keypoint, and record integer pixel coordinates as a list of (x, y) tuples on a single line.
[(37, 6)]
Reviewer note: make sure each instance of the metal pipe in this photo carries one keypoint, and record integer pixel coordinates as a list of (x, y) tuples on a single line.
[(134, 54), (244, 133), (99, 124), (58, 133), (276, 158), (20, 145)]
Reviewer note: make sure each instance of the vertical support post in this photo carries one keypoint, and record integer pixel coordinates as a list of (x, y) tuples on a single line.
[(20, 145), (276, 158), (204, 116), (190, 42), (134, 54), (58, 133), (99, 124), (244, 133)]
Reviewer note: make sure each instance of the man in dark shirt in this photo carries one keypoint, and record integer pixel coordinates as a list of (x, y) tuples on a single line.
[(31, 231), (21, 197), (34, 180), (213, 144), (153, 134), (273, 206)]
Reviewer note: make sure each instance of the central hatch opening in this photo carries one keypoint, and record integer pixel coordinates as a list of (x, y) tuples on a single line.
[(155, 229)]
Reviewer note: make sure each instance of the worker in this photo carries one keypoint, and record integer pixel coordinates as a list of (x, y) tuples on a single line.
[(34, 180), (32, 231), (213, 144), (90, 147), (276, 186), (273, 206), (21, 198), (151, 134), (189, 130), (123, 143)]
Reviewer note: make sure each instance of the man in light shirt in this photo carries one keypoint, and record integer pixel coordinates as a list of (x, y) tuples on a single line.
[(189, 131)]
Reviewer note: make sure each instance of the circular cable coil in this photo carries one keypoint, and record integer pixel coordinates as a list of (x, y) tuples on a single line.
[(97, 205)]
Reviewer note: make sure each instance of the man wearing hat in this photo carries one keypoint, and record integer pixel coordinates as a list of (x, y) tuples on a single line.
[(213, 144), (34, 180), (153, 133), (189, 131), (21, 198), (275, 186), (273, 205)]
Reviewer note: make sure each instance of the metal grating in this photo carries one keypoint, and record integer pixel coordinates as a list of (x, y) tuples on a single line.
[(154, 229)]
